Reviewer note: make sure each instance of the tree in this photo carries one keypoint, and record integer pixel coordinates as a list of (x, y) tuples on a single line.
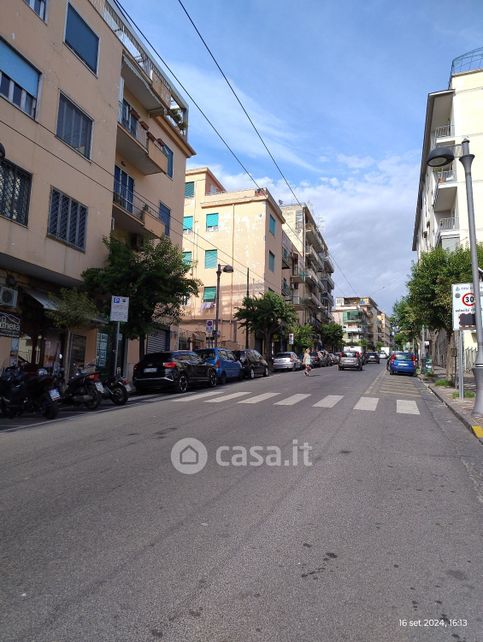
[(265, 315), (304, 337), (404, 319), (154, 279), (332, 334)]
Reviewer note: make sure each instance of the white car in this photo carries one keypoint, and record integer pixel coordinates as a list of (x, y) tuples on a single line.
[(286, 361)]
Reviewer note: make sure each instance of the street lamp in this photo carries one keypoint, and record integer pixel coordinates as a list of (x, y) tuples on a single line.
[(439, 157), (221, 268)]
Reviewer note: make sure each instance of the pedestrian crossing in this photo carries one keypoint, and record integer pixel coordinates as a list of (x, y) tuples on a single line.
[(363, 404)]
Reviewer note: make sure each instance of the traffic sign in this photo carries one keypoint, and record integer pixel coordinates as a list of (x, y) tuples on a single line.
[(464, 305), (119, 308), (290, 338), (209, 327)]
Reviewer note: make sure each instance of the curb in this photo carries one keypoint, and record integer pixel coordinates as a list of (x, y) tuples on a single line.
[(475, 429)]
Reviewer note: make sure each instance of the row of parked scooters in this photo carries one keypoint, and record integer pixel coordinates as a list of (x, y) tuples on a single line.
[(25, 390)]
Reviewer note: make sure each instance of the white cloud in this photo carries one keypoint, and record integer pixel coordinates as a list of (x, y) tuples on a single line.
[(355, 162)]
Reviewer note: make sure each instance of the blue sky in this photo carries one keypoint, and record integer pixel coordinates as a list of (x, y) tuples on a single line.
[(338, 90)]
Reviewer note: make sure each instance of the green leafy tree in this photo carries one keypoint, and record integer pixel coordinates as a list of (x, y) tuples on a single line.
[(304, 337), (264, 315), (154, 279), (74, 309), (332, 334), (404, 318)]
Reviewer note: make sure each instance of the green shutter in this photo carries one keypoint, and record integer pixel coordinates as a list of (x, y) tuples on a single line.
[(188, 223), (211, 259), (209, 294), (188, 257), (189, 189), (271, 262), (211, 221), (271, 225)]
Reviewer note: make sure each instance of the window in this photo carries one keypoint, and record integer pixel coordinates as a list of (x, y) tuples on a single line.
[(74, 127), (19, 81), (271, 225), (38, 6), (212, 222), (211, 259), (169, 155), (165, 216), (209, 294), (188, 257), (299, 220), (128, 119), (271, 262), (81, 39), (123, 189), (67, 220), (14, 192), (189, 189), (187, 223)]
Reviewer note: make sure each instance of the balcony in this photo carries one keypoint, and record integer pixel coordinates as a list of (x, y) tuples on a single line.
[(443, 135), (315, 258), (133, 215), (328, 281), (445, 190), (298, 275), (296, 300), (447, 226), (287, 291), (286, 259), (314, 237), (311, 276), (328, 266), (136, 145)]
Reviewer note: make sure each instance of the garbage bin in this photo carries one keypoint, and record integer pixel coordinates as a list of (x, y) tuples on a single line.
[(428, 366)]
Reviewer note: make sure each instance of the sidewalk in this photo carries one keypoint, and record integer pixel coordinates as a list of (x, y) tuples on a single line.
[(462, 408)]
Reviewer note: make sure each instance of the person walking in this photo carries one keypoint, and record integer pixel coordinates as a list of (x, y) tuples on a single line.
[(307, 361)]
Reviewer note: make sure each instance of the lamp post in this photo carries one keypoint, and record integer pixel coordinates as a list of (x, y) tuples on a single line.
[(439, 157), (221, 268)]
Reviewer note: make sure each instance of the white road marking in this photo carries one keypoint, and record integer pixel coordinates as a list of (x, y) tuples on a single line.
[(367, 403), (291, 401), (200, 396), (234, 395), (258, 398), (406, 407), (328, 402)]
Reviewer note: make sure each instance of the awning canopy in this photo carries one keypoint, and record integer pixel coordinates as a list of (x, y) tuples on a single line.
[(42, 298)]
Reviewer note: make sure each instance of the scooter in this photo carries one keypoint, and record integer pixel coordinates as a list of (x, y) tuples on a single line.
[(83, 388), (22, 391), (116, 388)]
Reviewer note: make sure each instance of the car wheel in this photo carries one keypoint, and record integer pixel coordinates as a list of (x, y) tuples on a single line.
[(341, 368), (182, 383), (266, 372), (119, 395), (294, 367), (251, 374), (51, 411), (241, 376), (223, 378), (212, 379), (391, 372)]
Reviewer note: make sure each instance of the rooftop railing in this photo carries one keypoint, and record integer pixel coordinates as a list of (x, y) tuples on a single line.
[(470, 61)]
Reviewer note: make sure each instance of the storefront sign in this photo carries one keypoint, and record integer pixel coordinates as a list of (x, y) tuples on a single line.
[(9, 325)]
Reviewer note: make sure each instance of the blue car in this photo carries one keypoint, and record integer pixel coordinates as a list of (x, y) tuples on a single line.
[(403, 362), (226, 365)]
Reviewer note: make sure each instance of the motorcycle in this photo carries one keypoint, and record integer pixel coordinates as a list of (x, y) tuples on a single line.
[(22, 391), (116, 388), (83, 388)]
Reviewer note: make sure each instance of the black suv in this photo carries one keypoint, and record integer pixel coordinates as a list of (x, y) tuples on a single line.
[(177, 370), (252, 363), (372, 357)]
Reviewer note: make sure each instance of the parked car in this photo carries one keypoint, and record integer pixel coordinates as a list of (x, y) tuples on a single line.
[(252, 363), (224, 361), (403, 362), (177, 370), (315, 359), (286, 361), (324, 358), (350, 360), (372, 357), (382, 355), (334, 358)]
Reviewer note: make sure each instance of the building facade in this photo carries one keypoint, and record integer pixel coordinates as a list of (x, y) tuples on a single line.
[(362, 322), (95, 143), (241, 229), (311, 278)]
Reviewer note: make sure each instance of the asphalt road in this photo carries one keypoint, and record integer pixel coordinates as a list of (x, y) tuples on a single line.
[(379, 539)]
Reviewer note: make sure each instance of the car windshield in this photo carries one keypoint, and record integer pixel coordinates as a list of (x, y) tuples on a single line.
[(349, 354), (206, 354), (157, 356), (403, 356), (283, 355)]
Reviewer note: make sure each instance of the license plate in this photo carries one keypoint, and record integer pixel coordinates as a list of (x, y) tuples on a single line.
[(147, 370), (54, 394), (99, 386), (128, 387)]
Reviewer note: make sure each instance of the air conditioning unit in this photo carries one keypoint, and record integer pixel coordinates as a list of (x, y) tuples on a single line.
[(8, 297)]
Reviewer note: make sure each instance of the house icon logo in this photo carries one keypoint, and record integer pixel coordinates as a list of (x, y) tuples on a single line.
[(189, 456)]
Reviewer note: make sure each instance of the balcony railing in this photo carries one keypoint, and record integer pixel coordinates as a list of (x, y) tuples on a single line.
[(448, 223), (132, 204), (130, 122), (443, 132), (444, 176)]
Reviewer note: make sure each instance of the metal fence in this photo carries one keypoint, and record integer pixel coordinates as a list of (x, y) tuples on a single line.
[(470, 358)]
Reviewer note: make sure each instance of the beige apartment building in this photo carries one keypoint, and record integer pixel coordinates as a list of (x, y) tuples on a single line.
[(441, 219), (311, 279), (95, 143), (241, 229), (361, 320)]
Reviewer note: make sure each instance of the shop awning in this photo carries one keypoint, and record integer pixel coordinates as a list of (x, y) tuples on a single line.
[(42, 298)]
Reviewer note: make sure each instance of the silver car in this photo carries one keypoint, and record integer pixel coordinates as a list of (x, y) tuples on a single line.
[(351, 360), (286, 361)]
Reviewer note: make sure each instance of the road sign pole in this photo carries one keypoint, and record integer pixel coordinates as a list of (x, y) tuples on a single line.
[(461, 365), (116, 348)]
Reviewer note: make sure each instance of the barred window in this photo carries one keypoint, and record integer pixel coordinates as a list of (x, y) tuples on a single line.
[(14, 192), (74, 127), (67, 220)]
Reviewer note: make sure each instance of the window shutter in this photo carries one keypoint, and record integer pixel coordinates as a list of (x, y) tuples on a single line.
[(211, 221), (165, 216), (211, 257), (189, 189), (188, 223)]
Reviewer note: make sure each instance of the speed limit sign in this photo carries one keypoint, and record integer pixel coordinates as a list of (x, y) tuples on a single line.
[(468, 299)]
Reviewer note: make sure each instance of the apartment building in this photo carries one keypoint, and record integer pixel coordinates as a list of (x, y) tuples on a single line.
[(451, 115), (311, 278), (384, 329), (241, 229), (95, 143), (361, 321)]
